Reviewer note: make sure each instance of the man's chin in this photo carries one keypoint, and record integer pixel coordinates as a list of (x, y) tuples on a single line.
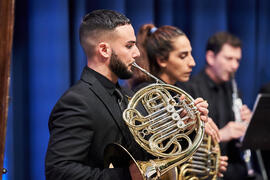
[(226, 79), (127, 75), (131, 68)]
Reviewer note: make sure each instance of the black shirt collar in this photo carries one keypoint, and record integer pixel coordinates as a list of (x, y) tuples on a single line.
[(210, 82), (108, 85)]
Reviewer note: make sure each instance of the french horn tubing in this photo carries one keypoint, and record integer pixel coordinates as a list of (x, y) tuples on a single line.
[(167, 127), (204, 164)]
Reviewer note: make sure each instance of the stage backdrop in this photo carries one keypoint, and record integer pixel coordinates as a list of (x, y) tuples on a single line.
[(47, 58)]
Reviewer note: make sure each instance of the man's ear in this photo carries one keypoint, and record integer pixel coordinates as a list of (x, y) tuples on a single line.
[(162, 62), (210, 57), (104, 49)]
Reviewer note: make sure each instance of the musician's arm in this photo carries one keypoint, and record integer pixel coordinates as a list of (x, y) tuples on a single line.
[(71, 134)]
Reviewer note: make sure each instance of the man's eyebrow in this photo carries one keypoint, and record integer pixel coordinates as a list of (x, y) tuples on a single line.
[(133, 42)]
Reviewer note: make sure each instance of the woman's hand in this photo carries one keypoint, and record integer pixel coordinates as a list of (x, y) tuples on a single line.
[(202, 106), (223, 163), (212, 129)]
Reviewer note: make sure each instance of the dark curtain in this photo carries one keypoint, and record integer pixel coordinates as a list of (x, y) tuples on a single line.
[(47, 58)]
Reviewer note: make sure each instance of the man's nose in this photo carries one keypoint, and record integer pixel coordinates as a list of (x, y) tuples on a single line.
[(235, 65), (136, 52)]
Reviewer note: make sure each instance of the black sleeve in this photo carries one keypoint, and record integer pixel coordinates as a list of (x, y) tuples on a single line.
[(71, 133)]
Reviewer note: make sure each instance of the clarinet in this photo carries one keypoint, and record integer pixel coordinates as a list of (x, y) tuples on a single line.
[(237, 104)]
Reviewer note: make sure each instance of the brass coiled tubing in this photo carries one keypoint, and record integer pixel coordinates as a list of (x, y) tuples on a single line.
[(204, 164)]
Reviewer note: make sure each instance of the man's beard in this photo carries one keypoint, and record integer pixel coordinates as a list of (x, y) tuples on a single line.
[(119, 68)]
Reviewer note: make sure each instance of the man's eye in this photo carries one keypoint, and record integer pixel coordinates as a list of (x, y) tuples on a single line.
[(129, 46)]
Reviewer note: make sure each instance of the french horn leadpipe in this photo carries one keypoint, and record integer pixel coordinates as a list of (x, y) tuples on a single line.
[(168, 128), (147, 73)]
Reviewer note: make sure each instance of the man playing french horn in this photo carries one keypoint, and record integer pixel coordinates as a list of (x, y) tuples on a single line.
[(88, 117)]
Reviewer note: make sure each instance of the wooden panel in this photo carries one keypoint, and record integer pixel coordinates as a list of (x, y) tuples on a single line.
[(6, 36)]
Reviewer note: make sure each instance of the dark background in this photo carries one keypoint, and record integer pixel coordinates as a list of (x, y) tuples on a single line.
[(47, 58)]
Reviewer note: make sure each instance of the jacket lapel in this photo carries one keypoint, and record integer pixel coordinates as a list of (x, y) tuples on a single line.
[(105, 97)]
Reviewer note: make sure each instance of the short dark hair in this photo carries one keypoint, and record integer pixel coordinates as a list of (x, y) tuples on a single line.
[(96, 22), (216, 42)]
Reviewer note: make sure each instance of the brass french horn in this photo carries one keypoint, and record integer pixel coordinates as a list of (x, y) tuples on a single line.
[(204, 164), (169, 128)]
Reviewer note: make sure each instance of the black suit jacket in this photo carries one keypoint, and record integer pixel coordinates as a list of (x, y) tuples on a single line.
[(265, 88), (83, 122)]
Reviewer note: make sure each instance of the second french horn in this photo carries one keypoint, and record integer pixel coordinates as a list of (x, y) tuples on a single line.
[(204, 164)]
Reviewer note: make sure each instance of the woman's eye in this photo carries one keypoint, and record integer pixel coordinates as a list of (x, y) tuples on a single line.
[(183, 55)]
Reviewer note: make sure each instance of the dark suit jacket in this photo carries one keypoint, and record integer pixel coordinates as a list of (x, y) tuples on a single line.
[(83, 122), (265, 88)]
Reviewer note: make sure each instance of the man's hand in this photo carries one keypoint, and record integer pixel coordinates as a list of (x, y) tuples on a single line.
[(212, 129), (245, 114), (232, 130)]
